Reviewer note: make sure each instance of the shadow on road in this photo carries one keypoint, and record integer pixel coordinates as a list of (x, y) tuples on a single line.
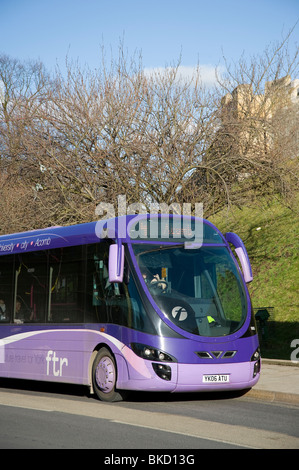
[(78, 391)]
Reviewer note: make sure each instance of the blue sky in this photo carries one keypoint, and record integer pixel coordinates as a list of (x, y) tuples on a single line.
[(162, 29)]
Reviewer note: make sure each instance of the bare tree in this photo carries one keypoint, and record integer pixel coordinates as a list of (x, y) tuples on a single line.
[(23, 88), (256, 148), (70, 142), (122, 132)]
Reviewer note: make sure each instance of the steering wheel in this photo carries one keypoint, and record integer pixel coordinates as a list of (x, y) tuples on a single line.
[(157, 285)]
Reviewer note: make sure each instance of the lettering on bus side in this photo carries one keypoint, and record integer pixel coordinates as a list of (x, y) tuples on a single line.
[(55, 364)]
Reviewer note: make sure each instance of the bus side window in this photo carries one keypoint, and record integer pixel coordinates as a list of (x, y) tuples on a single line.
[(97, 282), (6, 287), (66, 285), (30, 287), (108, 302), (117, 303)]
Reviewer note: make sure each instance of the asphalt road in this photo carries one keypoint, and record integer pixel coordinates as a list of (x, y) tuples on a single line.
[(43, 416)]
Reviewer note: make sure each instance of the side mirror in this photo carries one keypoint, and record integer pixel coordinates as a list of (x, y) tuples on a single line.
[(235, 240), (116, 262)]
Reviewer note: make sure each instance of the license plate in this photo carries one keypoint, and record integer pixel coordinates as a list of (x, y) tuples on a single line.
[(215, 378)]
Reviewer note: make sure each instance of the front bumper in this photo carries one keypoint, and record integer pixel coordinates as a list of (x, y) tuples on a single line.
[(238, 376), (142, 375)]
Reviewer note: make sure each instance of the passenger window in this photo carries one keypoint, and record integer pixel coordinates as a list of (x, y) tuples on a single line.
[(112, 302), (66, 285), (31, 287), (98, 284), (6, 288)]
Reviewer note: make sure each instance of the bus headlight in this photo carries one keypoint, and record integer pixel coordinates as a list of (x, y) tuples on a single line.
[(256, 357), (151, 354)]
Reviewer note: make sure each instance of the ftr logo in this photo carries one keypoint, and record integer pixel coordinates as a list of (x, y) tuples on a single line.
[(57, 364), (180, 313)]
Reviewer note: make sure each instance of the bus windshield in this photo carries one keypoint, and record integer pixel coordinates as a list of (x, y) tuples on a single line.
[(199, 290)]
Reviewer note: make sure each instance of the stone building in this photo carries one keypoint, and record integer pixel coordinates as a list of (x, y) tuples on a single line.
[(253, 117)]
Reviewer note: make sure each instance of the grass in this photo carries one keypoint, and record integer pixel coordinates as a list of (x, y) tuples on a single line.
[(271, 235)]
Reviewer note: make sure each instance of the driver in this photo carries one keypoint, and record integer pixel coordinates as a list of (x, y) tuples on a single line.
[(153, 280), (159, 282)]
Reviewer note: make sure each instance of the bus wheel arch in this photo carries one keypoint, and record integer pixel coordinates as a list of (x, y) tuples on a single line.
[(103, 369)]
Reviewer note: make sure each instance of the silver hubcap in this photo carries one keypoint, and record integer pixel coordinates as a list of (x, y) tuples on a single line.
[(105, 374)]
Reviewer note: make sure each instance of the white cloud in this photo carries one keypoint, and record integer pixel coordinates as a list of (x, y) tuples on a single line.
[(207, 73)]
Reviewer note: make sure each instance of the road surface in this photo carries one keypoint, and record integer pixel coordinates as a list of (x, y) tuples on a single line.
[(64, 417)]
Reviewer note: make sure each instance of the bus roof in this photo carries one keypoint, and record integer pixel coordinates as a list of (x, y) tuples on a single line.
[(127, 228)]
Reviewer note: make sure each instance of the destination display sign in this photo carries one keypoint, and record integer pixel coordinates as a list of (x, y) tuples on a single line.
[(177, 230)]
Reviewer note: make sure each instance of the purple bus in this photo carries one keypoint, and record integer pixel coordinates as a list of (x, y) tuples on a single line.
[(131, 303)]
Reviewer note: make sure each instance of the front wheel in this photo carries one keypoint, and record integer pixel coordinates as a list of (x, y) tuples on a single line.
[(104, 376)]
